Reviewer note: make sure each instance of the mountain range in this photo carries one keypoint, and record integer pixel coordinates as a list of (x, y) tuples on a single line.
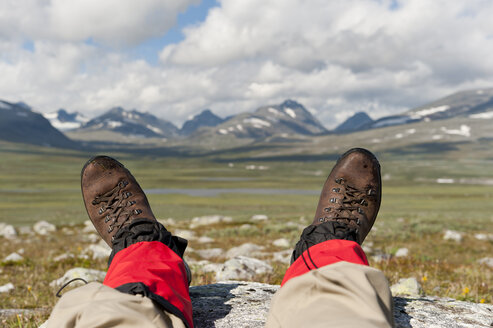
[(18, 123), (283, 122)]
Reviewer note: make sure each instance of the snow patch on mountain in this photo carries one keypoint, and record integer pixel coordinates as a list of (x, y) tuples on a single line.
[(5, 106), (114, 124), (290, 112), (275, 111), (223, 131), (64, 121), (429, 111), (256, 122), (154, 129), (464, 130), (486, 115), (130, 115)]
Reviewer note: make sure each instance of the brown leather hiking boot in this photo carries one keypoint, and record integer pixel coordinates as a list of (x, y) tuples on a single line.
[(352, 193), (112, 196), (348, 204)]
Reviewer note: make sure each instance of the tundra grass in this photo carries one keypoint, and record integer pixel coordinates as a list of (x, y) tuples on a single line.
[(43, 184)]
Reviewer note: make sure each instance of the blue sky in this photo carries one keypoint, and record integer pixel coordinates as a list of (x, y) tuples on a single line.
[(335, 57), (149, 50)]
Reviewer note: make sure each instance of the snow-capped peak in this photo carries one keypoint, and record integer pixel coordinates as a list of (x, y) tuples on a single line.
[(290, 112)]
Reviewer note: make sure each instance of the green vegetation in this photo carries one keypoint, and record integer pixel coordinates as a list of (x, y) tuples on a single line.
[(43, 184)]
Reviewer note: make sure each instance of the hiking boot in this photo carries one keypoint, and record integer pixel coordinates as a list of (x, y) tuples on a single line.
[(348, 204), (352, 193), (112, 197)]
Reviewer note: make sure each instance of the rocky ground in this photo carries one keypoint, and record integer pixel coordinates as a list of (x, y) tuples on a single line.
[(36, 260)]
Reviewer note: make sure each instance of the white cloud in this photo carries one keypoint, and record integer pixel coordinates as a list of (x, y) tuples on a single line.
[(113, 22), (337, 57)]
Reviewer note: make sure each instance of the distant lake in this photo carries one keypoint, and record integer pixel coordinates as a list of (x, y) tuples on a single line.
[(227, 179), (213, 192)]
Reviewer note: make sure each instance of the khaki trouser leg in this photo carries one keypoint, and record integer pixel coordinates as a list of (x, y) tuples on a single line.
[(337, 295), (98, 306)]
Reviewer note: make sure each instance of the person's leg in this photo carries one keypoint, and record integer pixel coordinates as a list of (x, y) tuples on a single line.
[(329, 283), (147, 280)]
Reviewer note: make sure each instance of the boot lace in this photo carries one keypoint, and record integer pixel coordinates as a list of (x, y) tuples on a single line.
[(115, 202), (342, 215), (353, 200)]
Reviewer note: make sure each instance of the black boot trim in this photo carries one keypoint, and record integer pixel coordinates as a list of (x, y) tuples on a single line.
[(316, 234), (146, 230)]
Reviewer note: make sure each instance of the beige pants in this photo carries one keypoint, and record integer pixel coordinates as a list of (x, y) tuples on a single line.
[(337, 295)]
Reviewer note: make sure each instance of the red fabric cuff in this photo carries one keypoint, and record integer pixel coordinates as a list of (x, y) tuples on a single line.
[(328, 252), (158, 267)]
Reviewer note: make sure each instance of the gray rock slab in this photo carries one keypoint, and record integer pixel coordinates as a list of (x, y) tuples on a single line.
[(231, 304), (239, 304), (246, 304), (431, 312)]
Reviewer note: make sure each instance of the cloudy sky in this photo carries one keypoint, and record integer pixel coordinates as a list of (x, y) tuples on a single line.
[(174, 58)]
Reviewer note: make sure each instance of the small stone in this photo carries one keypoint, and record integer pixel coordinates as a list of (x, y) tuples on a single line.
[(407, 287), (205, 240), (21, 251), (63, 257), (243, 268), (212, 267), (208, 220), (43, 228), (192, 262), (402, 252), (187, 234), (99, 252), (210, 253), (6, 288), (367, 249), (259, 217), (281, 242), (244, 249), (67, 231), (246, 226), (452, 235), (13, 257), (88, 227), (486, 261), (7, 231), (86, 274), (483, 236), (381, 257), (92, 238), (282, 256), (168, 222)]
